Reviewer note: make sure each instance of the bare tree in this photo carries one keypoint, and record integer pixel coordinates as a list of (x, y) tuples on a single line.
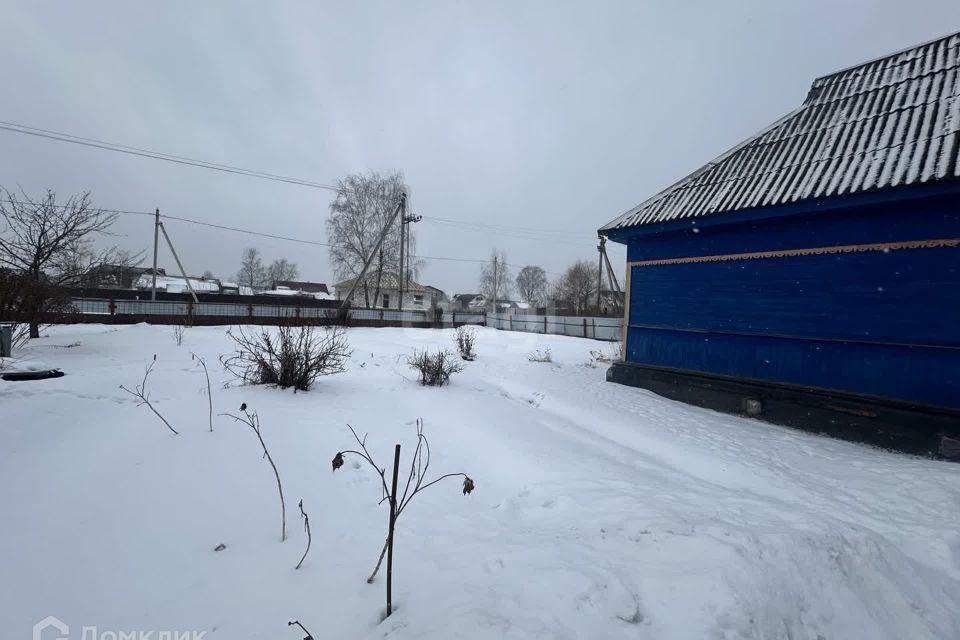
[(208, 275), (496, 280), (282, 269), (578, 287), (48, 247), (358, 215), (251, 274), (532, 285)]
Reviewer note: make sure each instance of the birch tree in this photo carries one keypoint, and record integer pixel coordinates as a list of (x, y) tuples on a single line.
[(358, 215)]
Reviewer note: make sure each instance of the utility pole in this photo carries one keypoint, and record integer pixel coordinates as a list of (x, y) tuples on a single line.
[(495, 282), (600, 248), (405, 248), (403, 229), (401, 207), (177, 259), (156, 239)]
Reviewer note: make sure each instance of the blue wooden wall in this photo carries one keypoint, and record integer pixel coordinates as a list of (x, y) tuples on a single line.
[(881, 323)]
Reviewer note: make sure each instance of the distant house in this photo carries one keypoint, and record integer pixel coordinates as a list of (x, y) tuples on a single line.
[(469, 302), (176, 284), (415, 295), (438, 295), (117, 276), (301, 286), (316, 290), (512, 307)]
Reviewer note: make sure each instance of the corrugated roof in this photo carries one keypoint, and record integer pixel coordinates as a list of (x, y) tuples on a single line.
[(890, 122)]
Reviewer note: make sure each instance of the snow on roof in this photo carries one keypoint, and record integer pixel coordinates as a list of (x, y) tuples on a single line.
[(301, 285), (282, 291), (176, 284), (890, 122)]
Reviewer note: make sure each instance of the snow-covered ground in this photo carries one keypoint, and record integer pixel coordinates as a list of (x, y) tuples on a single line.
[(600, 511)]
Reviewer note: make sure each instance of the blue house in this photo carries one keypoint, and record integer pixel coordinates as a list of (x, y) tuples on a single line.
[(811, 275)]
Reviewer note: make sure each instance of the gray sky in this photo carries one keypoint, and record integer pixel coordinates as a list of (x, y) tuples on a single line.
[(554, 115)]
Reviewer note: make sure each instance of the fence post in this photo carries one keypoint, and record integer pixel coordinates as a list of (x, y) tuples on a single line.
[(6, 340), (511, 322), (112, 307), (189, 313), (250, 310), (544, 324), (584, 327)]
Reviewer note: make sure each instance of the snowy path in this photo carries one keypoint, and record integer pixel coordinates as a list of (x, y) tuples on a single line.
[(600, 511)]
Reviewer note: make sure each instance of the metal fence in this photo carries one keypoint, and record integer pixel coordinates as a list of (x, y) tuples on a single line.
[(600, 328), (188, 312), (163, 311)]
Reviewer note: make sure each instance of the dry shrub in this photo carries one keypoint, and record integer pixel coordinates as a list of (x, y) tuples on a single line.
[(435, 369), (541, 355), (466, 340), (290, 357), (608, 356)]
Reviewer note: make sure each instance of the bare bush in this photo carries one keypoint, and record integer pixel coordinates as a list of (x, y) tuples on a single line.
[(466, 340), (609, 355), (178, 330), (252, 420), (415, 483), (541, 355), (144, 397), (21, 335), (435, 369), (291, 357), (206, 373), (306, 527)]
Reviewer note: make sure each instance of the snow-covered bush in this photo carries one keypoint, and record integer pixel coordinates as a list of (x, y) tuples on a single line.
[(435, 369), (466, 340), (290, 357), (540, 355)]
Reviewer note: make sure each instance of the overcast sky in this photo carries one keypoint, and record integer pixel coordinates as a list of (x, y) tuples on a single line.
[(552, 115)]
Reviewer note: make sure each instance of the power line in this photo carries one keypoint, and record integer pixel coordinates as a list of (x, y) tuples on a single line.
[(501, 227), (246, 231), (516, 231), (157, 155), (273, 236)]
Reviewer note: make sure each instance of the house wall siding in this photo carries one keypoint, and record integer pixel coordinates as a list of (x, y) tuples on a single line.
[(870, 320)]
